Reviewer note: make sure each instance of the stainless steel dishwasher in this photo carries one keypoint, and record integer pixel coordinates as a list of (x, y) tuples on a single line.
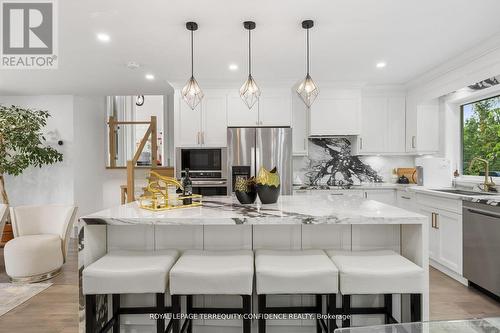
[(481, 245)]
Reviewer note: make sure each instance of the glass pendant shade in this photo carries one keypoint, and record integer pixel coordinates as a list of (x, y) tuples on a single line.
[(308, 91), (250, 92), (192, 94)]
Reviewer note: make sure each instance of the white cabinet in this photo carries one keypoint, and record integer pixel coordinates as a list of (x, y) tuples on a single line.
[(384, 196), (272, 109), (382, 125), (238, 114), (299, 126), (275, 108), (422, 128), (214, 128), (205, 125), (406, 200), (445, 232), (336, 112)]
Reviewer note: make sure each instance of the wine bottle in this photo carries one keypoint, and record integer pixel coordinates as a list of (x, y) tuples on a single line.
[(187, 184)]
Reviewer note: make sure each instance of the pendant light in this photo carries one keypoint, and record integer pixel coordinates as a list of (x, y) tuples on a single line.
[(249, 91), (191, 92), (139, 101), (307, 90)]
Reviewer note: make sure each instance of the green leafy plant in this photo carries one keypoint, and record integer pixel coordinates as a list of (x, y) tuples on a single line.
[(22, 143), (481, 135)]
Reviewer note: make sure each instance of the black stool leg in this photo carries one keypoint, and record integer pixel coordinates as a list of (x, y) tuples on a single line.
[(388, 308), (332, 304), (160, 309), (262, 310), (346, 310), (90, 312), (319, 311), (247, 310), (189, 310), (176, 312), (416, 307), (116, 313)]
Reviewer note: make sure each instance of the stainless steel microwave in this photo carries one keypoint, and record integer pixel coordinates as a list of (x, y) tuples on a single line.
[(203, 163)]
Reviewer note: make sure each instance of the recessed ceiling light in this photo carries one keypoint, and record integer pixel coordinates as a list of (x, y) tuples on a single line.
[(381, 64), (102, 37), (150, 77), (233, 67)]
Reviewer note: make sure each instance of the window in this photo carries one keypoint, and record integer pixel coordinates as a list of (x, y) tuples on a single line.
[(481, 135)]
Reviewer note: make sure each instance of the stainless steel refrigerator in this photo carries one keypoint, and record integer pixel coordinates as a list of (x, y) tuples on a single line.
[(249, 148)]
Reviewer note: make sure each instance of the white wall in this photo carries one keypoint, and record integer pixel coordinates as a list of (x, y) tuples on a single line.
[(54, 183), (90, 152)]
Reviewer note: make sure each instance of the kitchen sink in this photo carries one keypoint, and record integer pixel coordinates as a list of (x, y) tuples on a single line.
[(464, 192)]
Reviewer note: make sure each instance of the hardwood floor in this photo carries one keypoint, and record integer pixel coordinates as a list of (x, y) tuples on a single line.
[(55, 310)]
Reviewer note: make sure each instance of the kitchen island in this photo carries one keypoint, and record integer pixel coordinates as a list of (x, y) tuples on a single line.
[(318, 221)]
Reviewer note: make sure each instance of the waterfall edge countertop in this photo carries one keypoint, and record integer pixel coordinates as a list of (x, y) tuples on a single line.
[(296, 209)]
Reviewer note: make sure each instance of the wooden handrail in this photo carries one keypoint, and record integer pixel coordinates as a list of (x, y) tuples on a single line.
[(131, 164)]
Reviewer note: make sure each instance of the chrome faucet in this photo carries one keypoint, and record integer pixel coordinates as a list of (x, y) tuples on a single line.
[(488, 181)]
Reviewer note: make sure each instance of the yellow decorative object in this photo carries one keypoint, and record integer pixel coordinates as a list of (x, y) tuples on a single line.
[(157, 197), (271, 178)]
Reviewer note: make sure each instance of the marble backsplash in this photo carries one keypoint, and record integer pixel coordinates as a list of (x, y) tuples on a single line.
[(330, 162)]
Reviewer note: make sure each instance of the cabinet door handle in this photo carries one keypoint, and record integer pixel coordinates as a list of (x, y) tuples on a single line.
[(198, 138), (360, 143), (413, 141), (405, 197), (436, 219), (432, 220), (202, 138)]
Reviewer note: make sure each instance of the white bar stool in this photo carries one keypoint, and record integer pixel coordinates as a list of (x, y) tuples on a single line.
[(212, 273), (127, 272), (295, 272), (376, 273)]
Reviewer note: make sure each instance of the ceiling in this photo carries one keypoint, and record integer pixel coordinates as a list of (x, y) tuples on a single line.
[(348, 40)]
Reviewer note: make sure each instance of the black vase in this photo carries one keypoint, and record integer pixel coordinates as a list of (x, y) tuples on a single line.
[(246, 198), (268, 194)]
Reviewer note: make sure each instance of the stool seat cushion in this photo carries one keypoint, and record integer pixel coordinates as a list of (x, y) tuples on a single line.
[(31, 255), (129, 272), (213, 273), (295, 272), (377, 272)]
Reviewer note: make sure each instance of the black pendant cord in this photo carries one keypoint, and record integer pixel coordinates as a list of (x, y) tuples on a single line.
[(249, 53), (307, 38), (192, 54)]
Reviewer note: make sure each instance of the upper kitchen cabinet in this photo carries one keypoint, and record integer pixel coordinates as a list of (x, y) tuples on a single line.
[(238, 113), (336, 112), (275, 108), (272, 109), (382, 125), (422, 128), (205, 126)]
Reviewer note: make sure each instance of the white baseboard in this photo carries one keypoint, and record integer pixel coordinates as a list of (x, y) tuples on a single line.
[(449, 272)]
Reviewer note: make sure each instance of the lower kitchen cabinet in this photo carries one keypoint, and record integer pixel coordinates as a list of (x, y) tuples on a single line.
[(445, 237), (384, 196), (406, 200)]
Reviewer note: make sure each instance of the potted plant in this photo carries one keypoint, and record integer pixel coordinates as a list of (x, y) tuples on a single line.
[(22, 143)]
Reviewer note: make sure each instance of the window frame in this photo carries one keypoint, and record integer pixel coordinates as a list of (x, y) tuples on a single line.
[(463, 177)]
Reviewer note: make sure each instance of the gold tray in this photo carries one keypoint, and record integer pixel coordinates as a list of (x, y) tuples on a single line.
[(157, 203)]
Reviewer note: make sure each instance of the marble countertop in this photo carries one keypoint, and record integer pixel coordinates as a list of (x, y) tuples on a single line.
[(491, 199), (297, 209)]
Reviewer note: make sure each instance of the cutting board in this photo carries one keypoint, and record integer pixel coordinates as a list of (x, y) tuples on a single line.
[(410, 173)]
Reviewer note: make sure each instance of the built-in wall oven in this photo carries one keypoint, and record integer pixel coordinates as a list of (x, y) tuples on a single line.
[(207, 169)]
